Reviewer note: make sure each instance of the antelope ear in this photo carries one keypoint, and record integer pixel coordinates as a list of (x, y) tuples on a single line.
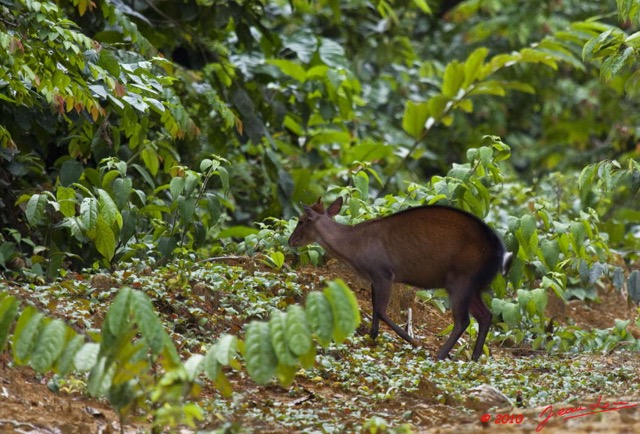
[(335, 207)]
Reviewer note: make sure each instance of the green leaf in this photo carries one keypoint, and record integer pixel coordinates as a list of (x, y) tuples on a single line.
[(89, 215), (344, 307), (540, 299), (332, 53), (633, 286), (226, 349), (472, 66), (186, 209), (35, 209), (528, 226), (8, 311), (453, 79), (122, 188), (415, 116), (277, 326), (49, 346), (67, 200), (194, 366), (488, 87), (550, 253), (259, 354), (361, 183), (511, 314), (65, 364), (105, 239), (87, 356), (297, 330), (70, 172), (108, 209), (116, 321), (618, 278), (26, 333), (147, 321), (285, 374), (151, 160), (423, 6), (292, 69), (176, 186), (320, 317), (212, 367), (224, 178)]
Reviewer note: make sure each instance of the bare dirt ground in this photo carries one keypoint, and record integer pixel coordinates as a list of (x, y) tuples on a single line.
[(27, 405)]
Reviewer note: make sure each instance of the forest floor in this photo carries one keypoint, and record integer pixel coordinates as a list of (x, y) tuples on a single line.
[(321, 402)]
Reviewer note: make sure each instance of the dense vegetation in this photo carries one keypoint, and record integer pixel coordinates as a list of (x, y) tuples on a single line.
[(145, 134)]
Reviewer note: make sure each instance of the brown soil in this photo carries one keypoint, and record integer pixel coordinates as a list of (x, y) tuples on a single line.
[(27, 405)]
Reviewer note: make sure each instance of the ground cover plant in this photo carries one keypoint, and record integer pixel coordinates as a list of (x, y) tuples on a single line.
[(154, 158)]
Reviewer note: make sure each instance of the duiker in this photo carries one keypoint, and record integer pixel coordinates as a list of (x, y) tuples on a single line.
[(427, 247)]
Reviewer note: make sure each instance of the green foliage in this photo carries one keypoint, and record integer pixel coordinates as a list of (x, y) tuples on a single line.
[(122, 360)]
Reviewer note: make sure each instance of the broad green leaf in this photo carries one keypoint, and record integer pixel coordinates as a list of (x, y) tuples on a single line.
[(633, 40), (473, 66), (105, 239), (100, 377), (344, 307), (116, 321), (212, 367), (303, 43), (488, 87), (528, 226), (453, 79), (151, 160), (223, 385), (176, 186), (292, 69), (550, 253), (511, 314), (122, 188), (36, 208), (361, 183), (147, 321), (332, 53), (191, 182), (208, 164), (65, 364), (259, 354), (320, 317), (618, 278), (108, 209), (277, 326), (285, 374), (595, 272), (226, 349), (186, 209), (49, 346), (423, 6), (8, 311), (633, 286), (224, 178), (89, 215), (67, 200), (70, 172), (26, 334), (614, 63), (415, 116), (539, 298), (86, 357), (194, 366), (297, 330)]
